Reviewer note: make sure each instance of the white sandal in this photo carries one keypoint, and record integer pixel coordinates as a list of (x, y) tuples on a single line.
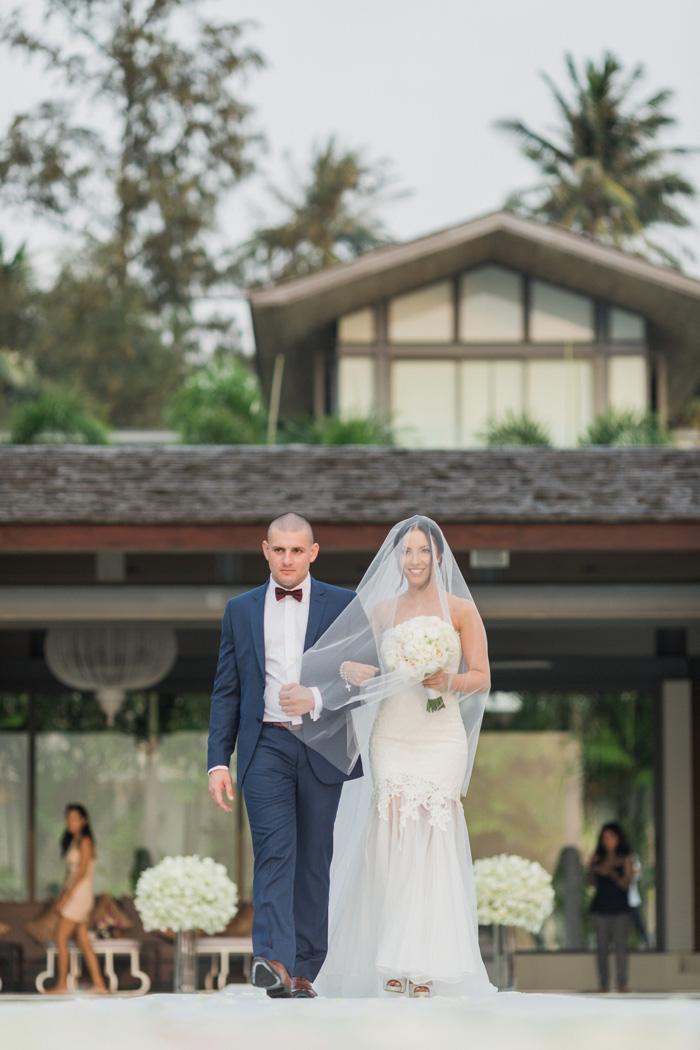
[(419, 991), (397, 985)]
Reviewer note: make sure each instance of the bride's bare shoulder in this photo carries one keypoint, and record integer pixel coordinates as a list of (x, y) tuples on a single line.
[(462, 610)]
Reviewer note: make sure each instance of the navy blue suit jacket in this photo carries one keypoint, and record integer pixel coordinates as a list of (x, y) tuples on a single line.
[(238, 697)]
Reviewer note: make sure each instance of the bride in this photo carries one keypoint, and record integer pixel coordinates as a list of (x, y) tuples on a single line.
[(403, 906)]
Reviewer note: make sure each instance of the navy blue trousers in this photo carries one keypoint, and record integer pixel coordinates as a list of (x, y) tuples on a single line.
[(291, 815)]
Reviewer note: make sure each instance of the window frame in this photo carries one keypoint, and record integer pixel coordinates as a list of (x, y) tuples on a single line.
[(599, 350)]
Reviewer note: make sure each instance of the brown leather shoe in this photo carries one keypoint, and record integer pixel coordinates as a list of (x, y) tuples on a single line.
[(271, 975), (302, 988)]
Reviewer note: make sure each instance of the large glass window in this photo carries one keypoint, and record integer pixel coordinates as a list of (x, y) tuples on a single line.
[(627, 383), (443, 404), (145, 790), (489, 389), (139, 798), (550, 769), (491, 306), (356, 387), (437, 402), (560, 396), (357, 327), (559, 316), (425, 316), (423, 403), (626, 327), (14, 784)]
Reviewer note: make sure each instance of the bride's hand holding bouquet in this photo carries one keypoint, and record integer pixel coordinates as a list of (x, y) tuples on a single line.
[(439, 681), (423, 647)]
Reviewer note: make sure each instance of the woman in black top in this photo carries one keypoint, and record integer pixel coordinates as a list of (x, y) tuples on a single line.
[(610, 870)]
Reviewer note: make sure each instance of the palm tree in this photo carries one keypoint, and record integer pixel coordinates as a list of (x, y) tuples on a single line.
[(330, 218), (605, 174)]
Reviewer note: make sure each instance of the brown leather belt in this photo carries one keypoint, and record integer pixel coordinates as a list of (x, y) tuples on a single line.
[(283, 725)]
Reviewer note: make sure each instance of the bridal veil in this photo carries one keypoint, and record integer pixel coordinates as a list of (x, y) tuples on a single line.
[(402, 892)]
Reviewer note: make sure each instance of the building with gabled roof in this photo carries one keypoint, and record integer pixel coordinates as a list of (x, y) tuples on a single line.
[(497, 314)]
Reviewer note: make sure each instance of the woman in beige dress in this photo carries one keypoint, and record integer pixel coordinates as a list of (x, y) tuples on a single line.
[(76, 899)]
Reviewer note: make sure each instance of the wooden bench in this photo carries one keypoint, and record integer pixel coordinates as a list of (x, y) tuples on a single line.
[(221, 949), (108, 948)]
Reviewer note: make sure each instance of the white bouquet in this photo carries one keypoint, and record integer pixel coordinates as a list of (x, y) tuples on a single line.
[(186, 893), (512, 891), (420, 647)]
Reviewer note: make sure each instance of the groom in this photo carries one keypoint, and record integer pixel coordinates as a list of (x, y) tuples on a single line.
[(291, 792)]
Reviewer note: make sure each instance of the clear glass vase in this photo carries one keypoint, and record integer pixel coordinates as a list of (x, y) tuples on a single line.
[(185, 973), (504, 957)]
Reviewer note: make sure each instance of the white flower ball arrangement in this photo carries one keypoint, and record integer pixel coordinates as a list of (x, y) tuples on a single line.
[(513, 891), (186, 893)]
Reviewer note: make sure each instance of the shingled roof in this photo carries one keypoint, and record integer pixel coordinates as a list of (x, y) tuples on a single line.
[(249, 484)]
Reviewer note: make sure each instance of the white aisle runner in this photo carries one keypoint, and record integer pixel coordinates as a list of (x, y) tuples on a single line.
[(239, 1018)]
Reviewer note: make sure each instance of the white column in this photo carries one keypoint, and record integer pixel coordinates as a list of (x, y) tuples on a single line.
[(677, 788)]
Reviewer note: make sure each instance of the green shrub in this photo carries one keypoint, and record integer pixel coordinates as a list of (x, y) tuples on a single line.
[(221, 404), (625, 429), (513, 431), (56, 417), (332, 430)]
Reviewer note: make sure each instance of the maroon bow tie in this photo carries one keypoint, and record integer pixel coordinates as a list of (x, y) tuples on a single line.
[(280, 593)]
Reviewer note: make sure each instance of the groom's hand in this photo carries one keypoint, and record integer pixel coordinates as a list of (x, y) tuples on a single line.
[(296, 699), (220, 784)]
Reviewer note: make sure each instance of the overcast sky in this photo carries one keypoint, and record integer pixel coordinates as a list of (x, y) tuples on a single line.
[(421, 82)]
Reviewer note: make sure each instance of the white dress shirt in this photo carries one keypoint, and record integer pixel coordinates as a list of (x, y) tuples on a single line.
[(285, 622)]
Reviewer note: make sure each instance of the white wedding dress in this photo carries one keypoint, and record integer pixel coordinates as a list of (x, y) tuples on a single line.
[(403, 904)]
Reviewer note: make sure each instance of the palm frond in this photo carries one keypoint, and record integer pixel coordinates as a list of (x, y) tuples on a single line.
[(530, 139), (604, 173)]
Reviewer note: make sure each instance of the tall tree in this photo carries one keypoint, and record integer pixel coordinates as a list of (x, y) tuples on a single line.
[(103, 341), (16, 295), (143, 138), (330, 217), (605, 173), (17, 324)]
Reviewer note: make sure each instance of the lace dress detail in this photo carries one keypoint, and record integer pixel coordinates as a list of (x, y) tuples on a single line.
[(414, 795), (418, 756)]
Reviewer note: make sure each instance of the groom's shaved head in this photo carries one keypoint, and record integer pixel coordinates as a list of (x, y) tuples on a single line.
[(290, 522), (290, 549)]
